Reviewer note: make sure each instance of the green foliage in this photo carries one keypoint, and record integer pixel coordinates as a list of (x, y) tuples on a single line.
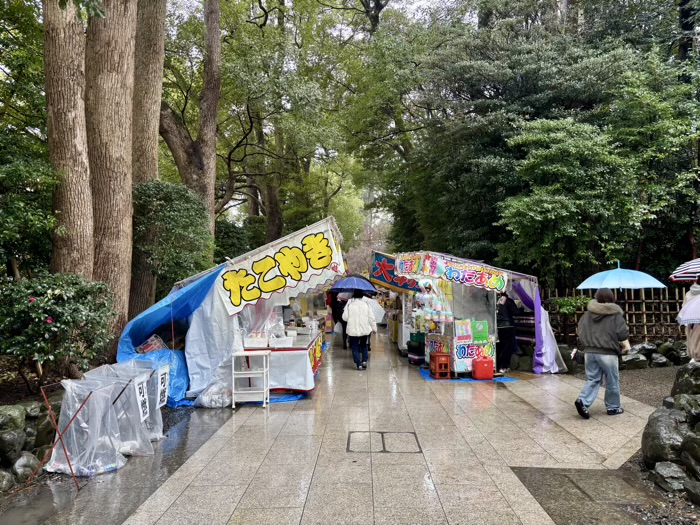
[(231, 241), (551, 147), (26, 186), (327, 189), (171, 229), (26, 179), (86, 8), (255, 228), (568, 306), (579, 205), (22, 104), (54, 319)]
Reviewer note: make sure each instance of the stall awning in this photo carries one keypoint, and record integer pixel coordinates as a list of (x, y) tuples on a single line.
[(418, 265)]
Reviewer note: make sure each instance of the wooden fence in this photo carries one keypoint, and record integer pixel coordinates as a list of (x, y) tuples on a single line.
[(651, 314)]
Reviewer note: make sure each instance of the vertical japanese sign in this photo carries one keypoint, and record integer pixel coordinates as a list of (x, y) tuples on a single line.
[(163, 382), (301, 261), (141, 386)]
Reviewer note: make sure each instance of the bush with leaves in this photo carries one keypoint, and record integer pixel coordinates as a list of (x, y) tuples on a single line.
[(171, 228), (579, 207), (567, 307), (26, 221), (60, 321)]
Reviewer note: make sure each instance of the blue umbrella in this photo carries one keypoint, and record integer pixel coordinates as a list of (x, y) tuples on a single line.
[(352, 283), (620, 279)]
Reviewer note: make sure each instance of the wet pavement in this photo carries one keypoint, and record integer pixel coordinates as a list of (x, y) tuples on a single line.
[(111, 498), (382, 447)]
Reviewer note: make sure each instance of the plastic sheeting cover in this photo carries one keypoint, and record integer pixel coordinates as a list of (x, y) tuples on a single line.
[(548, 350), (93, 439), (212, 337), (288, 370), (135, 438), (154, 422)]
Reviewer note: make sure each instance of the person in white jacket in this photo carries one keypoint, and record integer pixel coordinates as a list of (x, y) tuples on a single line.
[(693, 331), (361, 325)]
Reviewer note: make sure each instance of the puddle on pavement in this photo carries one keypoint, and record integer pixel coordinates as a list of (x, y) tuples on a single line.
[(38, 504)]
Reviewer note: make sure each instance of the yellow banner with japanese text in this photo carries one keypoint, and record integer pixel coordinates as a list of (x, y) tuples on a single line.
[(289, 267)]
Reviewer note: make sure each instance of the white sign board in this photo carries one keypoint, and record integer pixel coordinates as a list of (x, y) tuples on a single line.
[(163, 382), (142, 397), (299, 262)]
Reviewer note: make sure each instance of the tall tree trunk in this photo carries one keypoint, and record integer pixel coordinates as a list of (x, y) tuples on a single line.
[(148, 86), (686, 19), (13, 268), (640, 250), (253, 198), (257, 165), (196, 159), (275, 220), (273, 206), (691, 231), (209, 105), (64, 62), (109, 92)]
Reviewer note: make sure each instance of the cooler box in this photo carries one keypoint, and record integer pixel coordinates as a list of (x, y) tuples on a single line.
[(482, 368)]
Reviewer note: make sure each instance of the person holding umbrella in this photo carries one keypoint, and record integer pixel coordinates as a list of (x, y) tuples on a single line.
[(690, 313), (601, 331), (361, 325), (690, 317)]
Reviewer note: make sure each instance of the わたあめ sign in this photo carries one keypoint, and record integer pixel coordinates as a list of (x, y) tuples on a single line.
[(465, 353), (452, 269)]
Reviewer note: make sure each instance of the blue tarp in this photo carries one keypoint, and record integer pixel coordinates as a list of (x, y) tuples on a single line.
[(425, 374), (177, 306)]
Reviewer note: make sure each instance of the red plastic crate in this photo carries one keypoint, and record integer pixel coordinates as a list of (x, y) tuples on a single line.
[(440, 365)]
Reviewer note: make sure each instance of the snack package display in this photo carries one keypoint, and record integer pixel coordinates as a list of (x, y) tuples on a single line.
[(152, 344)]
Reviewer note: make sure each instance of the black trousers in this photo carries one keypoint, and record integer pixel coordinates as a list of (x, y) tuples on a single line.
[(506, 347), (344, 324)]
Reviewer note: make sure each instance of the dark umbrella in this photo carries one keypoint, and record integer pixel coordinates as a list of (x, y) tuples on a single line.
[(352, 283)]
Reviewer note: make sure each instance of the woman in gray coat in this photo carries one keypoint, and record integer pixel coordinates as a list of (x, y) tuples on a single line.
[(601, 330)]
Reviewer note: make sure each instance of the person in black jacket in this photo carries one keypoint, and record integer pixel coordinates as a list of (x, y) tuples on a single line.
[(505, 321), (601, 330), (337, 308)]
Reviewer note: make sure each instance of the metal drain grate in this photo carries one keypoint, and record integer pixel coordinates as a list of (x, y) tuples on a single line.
[(387, 442)]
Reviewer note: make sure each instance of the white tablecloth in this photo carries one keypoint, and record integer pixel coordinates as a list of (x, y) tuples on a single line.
[(291, 369)]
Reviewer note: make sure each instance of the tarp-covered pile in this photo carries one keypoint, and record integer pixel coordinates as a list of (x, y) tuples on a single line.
[(113, 412)]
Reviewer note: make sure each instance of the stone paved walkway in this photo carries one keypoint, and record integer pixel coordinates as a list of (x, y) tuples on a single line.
[(385, 447)]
